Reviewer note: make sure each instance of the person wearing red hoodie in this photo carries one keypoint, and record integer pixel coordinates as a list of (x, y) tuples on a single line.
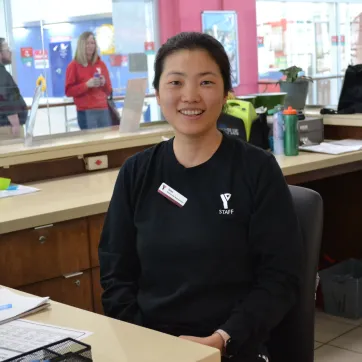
[(88, 82)]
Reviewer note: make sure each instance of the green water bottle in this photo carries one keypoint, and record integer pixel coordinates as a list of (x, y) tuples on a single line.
[(291, 139)]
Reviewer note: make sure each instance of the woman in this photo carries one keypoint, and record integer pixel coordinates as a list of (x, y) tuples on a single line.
[(201, 239), (88, 82)]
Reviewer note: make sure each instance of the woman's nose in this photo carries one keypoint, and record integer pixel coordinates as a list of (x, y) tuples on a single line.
[(190, 94)]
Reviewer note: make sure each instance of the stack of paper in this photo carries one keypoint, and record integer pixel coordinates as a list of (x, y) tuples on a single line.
[(17, 190), (335, 147), (14, 306)]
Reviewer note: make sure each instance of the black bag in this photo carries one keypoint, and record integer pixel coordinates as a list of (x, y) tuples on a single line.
[(116, 118), (350, 100), (259, 133)]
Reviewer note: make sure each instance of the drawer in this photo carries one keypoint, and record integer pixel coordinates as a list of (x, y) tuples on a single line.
[(97, 291), (34, 255), (74, 290), (95, 229)]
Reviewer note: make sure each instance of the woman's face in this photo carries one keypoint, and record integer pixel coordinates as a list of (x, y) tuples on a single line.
[(90, 46), (191, 92)]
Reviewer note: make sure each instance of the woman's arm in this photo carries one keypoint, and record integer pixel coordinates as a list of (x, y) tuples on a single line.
[(277, 256), (119, 263), (72, 88)]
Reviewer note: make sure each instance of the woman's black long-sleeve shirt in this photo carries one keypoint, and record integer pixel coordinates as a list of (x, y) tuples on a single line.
[(230, 258)]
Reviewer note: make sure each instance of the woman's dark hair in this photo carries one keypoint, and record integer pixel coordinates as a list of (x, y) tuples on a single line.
[(194, 41)]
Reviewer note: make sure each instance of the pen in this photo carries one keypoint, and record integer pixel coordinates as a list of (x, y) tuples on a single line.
[(5, 306)]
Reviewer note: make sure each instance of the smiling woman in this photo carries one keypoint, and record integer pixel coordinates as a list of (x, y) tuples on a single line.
[(201, 240)]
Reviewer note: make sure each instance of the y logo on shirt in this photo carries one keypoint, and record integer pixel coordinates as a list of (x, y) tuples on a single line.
[(225, 200)]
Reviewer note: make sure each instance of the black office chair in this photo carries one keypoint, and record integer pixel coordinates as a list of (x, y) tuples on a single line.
[(293, 339)]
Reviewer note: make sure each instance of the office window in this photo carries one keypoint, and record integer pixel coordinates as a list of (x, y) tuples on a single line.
[(320, 37), (43, 35)]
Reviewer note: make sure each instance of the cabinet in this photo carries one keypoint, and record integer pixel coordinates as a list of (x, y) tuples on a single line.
[(97, 291), (59, 261), (42, 253), (74, 290), (95, 229)]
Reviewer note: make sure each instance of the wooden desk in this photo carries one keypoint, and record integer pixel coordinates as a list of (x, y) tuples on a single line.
[(49, 240), (115, 341)]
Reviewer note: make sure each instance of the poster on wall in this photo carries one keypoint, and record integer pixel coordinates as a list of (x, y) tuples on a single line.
[(27, 56), (41, 59), (60, 57), (223, 26)]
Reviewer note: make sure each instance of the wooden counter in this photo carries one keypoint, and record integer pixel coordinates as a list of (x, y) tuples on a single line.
[(115, 341), (80, 196), (80, 144)]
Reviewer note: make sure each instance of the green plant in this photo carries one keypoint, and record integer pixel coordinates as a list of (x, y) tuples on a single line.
[(291, 74)]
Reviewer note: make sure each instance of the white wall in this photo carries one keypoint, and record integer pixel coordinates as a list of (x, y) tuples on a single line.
[(2, 20), (24, 11)]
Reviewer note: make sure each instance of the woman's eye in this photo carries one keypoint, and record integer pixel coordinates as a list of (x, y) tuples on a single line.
[(175, 82), (206, 82)]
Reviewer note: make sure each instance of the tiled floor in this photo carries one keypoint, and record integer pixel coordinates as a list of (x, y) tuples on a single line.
[(337, 339)]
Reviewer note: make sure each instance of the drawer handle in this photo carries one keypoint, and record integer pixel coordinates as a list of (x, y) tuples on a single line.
[(72, 275), (42, 239), (77, 283)]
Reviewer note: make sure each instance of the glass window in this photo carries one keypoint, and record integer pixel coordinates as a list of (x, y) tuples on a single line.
[(320, 37), (43, 35)]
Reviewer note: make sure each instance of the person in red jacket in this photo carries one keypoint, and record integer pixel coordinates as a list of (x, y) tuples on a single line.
[(88, 82)]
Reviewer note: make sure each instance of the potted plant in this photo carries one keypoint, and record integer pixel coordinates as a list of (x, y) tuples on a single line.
[(296, 85)]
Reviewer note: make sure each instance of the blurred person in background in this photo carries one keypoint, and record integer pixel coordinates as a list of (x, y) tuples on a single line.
[(88, 82), (13, 109)]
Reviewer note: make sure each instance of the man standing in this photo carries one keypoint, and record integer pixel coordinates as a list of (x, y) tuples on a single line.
[(13, 109)]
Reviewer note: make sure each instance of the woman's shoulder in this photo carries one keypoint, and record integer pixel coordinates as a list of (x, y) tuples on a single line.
[(139, 162), (73, 64)]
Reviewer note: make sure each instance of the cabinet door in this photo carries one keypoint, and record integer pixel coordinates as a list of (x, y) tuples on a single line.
[(74, 290), (95, 229), (34, 255), (97, 291)]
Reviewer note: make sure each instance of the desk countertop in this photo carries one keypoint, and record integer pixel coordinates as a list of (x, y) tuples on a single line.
[(115, 341), (81, 144), (85, 195)]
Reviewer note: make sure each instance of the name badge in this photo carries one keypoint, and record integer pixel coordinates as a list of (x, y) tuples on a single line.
[(172, 195)]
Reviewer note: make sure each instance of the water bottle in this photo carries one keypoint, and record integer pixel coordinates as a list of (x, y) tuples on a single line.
[(278, 130), (291, 139)]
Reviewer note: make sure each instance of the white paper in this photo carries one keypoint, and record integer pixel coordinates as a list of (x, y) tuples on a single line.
[(330, 148), (133, 105), (22, 336), (21, 190), (348, 142), (17, 304)]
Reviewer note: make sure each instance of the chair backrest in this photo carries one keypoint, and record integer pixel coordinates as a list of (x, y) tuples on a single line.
[(293, 339)]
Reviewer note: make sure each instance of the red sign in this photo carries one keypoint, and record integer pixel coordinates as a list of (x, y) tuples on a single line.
[(149, 46), (260, 41), (342, 40), (118, 60), (40, 54), (26, 52), (41, 59), (334, 40)]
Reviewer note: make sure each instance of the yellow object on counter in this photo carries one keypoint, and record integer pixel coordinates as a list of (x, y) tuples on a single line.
[(41, 81), (4, 183)]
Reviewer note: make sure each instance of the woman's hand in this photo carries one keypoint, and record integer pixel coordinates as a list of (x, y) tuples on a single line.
[(93, 83), (215, 340)]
